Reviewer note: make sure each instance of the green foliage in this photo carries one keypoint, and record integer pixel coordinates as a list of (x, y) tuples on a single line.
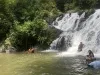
[(32, 9), (23, 23), (85, 4), (6, 19), (65, 5), (31, 33)]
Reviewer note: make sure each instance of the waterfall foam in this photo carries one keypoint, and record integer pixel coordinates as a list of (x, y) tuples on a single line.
[(77, 29)]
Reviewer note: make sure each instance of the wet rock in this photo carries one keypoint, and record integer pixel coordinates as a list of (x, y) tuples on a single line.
[(57, 31)]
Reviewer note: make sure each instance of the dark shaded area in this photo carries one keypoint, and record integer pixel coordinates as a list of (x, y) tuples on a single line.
[(61, 43), (97, 4), (57, 31), (25, 42), (65, 5), (60, 4)]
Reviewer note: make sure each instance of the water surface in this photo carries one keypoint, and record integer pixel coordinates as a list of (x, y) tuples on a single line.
[(43, 64)]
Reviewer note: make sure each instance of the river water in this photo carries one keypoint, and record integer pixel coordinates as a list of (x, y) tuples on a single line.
[(44, 64), (75, 66), (71, 66)]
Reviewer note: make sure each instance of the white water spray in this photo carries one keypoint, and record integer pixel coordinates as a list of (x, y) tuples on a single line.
[(80, 30)]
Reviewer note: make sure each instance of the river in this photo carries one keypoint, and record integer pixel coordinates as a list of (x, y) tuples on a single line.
[(43, 64)]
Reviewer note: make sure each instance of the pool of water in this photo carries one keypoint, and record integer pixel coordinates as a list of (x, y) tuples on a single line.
[(43, 64)]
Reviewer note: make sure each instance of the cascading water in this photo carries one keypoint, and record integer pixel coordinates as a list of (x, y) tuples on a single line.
[(77, 29)]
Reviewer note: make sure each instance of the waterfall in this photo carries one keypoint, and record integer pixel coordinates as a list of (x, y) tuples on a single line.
[(76, 28)]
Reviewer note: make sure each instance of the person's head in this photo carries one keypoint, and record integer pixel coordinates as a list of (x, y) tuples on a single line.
[(89, 51), (80, 42)]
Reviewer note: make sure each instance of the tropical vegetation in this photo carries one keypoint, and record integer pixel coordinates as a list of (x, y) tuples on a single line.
[(25, 23)]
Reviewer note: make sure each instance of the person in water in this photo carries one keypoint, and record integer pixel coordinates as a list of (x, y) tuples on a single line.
[(80, 47), (91, 54), (90, 57), (31, 50)]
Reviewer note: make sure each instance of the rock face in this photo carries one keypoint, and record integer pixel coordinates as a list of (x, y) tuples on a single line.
[(51, 20), (63, 42), (57, 31)]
